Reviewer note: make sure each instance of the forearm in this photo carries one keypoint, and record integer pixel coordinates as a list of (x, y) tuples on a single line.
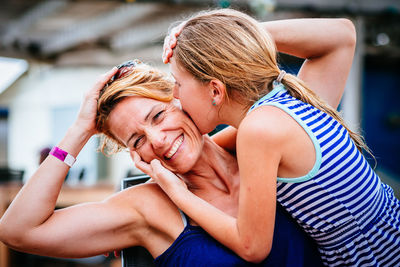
[(226, 139), (327, 45), (310, 38), (36, 201)]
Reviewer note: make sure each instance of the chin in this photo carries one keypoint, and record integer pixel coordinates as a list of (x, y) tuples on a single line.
[(207, 129)]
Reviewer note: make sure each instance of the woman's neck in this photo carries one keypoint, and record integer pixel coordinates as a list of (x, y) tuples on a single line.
[(215, 171)]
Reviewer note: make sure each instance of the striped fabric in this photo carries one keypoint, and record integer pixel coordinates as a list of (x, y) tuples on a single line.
[(341, 202)]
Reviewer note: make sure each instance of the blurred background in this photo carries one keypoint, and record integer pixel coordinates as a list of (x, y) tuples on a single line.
[(52, 51)]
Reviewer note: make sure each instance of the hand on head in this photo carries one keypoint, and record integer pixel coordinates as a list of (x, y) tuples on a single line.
[(87, 113), (170, 42)]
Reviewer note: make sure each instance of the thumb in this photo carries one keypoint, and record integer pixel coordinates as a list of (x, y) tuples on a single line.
[(156, 166), (155, 163)]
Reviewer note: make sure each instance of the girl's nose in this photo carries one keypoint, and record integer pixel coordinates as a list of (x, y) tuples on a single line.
[(176, 92)]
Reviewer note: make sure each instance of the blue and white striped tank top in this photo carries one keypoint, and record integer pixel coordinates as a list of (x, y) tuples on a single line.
[(341, 202)]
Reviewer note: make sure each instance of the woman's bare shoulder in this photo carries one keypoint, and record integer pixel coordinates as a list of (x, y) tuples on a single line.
[(150, 201)]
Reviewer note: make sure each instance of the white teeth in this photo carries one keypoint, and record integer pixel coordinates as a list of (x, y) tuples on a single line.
[(174, 147)]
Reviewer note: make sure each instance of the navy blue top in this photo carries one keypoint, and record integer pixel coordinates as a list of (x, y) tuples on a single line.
[(195, 247)]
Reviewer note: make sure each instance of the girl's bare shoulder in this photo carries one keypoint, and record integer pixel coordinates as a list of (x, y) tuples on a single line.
[(265, 121)]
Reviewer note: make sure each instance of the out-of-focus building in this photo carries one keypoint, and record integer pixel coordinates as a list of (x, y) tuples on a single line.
[(66, 45)]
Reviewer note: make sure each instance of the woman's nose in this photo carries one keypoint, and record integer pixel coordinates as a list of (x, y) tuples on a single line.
[(157, 138)]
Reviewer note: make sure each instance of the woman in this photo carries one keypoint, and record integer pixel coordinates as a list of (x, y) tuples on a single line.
[(291, 145), (135, 109)]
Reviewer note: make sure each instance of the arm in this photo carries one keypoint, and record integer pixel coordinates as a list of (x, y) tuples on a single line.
[(79, 231), (327, 45), (31, 224), (226, 139)]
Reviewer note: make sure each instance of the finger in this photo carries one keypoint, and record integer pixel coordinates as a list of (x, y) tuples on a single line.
[(167, 55), (164, 57), (172, 43), (136, 157), (104, 79), (166, 60), (178, 29), (117, 253), (155, 163), (159, 170), (107, 76), (141, 165), (166, 43), (167, 52)]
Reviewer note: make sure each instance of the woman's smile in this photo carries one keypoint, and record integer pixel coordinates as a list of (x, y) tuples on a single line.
[(174, 148)]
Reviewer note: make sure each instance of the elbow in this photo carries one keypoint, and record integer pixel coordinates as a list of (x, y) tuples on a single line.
[(9, 236), (349, 33), (255, 253), (3, 233)]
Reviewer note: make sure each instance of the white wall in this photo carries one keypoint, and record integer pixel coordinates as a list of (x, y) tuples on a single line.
[(32, 101)]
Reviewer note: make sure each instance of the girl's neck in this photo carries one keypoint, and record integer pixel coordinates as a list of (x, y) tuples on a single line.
[(232, 113)]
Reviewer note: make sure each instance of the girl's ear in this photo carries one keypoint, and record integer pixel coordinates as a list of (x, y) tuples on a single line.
[(217, 91)]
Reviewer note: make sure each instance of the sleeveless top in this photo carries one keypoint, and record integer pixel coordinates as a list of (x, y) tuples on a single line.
[(195, 247), (341, 203)]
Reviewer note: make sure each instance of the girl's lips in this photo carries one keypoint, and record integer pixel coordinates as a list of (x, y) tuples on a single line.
[(178, 142)]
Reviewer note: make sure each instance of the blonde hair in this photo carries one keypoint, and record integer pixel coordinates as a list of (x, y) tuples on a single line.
[(143, 81), (232, 47)]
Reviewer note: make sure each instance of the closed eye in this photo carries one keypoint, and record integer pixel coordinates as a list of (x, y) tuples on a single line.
[(138, 141), (158, 115)]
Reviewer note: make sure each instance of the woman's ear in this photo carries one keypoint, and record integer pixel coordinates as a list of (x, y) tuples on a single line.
[(217, 91)]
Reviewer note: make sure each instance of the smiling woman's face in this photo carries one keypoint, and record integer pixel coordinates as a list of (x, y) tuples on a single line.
[(157, 130)]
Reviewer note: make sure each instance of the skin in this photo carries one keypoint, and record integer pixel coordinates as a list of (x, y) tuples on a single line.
[(153, 135), (135, 216), (265, 135)]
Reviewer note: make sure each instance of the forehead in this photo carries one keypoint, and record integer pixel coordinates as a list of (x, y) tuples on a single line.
[(177, 69), (134, 106), (130, 114)]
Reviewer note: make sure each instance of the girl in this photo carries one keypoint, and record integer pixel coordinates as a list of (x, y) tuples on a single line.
[(291, 145)]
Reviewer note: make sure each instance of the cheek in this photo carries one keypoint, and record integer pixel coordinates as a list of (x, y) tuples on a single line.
[(146, 154)]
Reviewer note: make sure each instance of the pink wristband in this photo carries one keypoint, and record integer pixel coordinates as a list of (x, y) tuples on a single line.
[(63, 156)]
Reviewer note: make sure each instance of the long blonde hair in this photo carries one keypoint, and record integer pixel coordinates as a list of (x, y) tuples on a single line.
[(232, 47), (143, 81)]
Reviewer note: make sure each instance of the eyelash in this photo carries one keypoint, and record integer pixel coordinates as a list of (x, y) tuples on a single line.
[(157, 116)]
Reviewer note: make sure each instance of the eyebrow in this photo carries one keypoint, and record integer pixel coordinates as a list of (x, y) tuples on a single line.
[(146, 118)]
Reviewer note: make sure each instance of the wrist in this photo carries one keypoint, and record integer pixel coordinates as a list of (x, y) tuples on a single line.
[(179, 195), (83, 127), (81, 130), (63, 155), (74, 140)]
